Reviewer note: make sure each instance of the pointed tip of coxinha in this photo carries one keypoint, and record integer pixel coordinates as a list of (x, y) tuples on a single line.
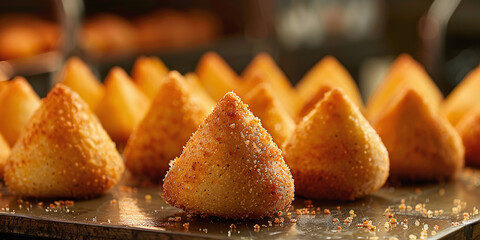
[(404, 73), (63, 152), (422, 144), (18, 101), (463, 98), (230, 167), (275, 118), (328, 72), (123, 105), (149, 74), (175, 114), (216, 75), (263, 66), (334, 153), (79, 77)]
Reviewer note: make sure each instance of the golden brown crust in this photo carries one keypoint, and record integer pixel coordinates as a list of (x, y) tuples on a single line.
[(469, 130), (77, 76), (4, 153), (422, 144), (122, 107), (275, 118), (463, 98), (264, 66), (149, 74), (404, 73), (230, 168), (216, 75), (334, 153), (330, 73), (18, 102), (175, 114), (63, 152)]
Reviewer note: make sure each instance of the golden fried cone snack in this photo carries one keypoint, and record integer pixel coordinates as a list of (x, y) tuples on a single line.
[(404, 73), (159, 138), (329, 72), (79, 77), (334, 153), (274, 117), (149, 74), (4, 153), (464, 97), (230, 168), (199, 90), (18, 102), (422, 144), (469, 130), (263, 65), (216, 75), (63, 152), (122, 107)]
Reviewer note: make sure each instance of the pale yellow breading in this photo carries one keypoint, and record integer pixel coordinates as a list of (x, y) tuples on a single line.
[(216, 76), (149, 74), (328, 72), (4, 153), (199, 90), (422, 144), (77, 76), (230, 168), (463, 98), (274, 117), (63, 152), (404, 73), (264, 65), (334, 153), (175, 114), (469, 129), (122, 107), (18, 102)]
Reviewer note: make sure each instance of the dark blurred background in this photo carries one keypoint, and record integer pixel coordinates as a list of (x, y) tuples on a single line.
[(365, 35)]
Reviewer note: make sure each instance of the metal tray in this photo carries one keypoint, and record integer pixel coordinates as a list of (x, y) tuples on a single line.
[(128, 212)]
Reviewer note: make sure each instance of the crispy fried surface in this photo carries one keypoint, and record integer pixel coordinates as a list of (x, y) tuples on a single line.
[(122, 107), (310, 103), (4, 153), (334, 153), (159, 138), (230, 168), (404, 73), (422, 144), (63, 152), (149, 74), (463, 98), (274, 117), (77, 76), (469, 130), (264, 66), (328, 72), (216, 75), (18, 102)]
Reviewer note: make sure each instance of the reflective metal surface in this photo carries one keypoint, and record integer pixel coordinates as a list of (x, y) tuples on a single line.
[(131, 211)]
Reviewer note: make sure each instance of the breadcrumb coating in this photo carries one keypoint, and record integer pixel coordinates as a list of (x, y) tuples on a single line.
[(63, 152), (334, 153), (159, 138), (230, 168), (422, 144)]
